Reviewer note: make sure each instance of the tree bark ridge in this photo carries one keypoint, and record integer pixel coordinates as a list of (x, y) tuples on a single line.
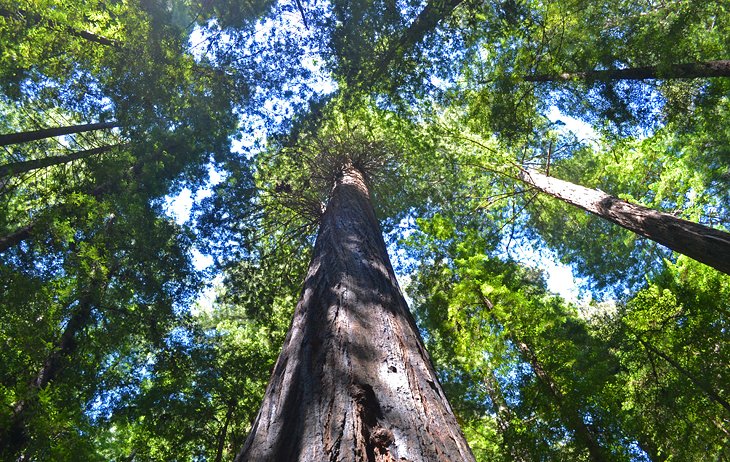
[(353, 381)]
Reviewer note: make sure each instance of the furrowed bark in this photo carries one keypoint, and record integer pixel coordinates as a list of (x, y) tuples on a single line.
[(706, 245), (17, 168), (674, 71), (353, 381), (24, 137)]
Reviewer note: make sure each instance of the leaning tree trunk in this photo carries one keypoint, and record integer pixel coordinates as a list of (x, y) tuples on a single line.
[(18, 168), (504, 417), (353, 381), (14, 437), (673, 71), (697, 381), (24, 137), (584, 435), (706, 245)]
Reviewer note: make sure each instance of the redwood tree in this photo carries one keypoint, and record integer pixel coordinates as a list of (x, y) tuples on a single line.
[(707, 245), (353, 381)]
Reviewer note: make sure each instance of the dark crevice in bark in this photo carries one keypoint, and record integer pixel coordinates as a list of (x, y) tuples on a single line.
[(351, 382)]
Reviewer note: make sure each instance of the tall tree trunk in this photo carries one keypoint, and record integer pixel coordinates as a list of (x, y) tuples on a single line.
[(673, 71), (572, 418), (26, 231), (32, 18), (353, 381), (24, 137), (699, 382), (426, 21), (569, 412), (14, 437), (706, 245), (224, 431), (17, 168), (503, 415)]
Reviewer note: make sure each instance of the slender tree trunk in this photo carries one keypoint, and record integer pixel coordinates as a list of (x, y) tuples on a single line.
[(572, 418), (17, 168), (673, 71), (504, 415), (24, 137), (224, 430), (16, 237), (25, 232), (426, 21), (32, 18), (14, 437), (696, 381), (706, 245), (353, 381), (571, 415)]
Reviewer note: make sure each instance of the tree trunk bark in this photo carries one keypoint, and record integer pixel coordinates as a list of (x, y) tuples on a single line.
[(673, 71), (24, 137), (16, 168), (353, 381), (706, 245)]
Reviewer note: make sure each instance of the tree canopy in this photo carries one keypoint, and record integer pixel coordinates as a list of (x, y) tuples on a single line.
[(134, 331)]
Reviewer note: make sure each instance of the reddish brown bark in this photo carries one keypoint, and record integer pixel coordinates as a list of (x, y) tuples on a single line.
[(706, 245), (674, 71), (353, 381), (24, 137)]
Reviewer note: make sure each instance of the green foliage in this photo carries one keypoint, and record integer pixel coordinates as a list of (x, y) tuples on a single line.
[(107, 356)]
